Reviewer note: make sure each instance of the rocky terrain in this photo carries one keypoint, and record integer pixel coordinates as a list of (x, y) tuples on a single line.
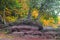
[(24, 32)]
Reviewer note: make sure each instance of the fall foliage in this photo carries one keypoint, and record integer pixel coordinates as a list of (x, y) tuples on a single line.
[(14, 10)]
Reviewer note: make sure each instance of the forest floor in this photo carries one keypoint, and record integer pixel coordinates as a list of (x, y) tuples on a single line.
[(48, 35), (4, 36)]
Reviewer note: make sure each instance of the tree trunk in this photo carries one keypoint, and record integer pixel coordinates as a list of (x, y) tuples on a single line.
[(4, 18)]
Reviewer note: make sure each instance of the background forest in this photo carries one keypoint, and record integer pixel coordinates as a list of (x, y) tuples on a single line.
[(43, 11)]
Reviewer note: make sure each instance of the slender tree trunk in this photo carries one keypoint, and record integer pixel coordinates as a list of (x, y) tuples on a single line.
[(29, 14), (4, 18)]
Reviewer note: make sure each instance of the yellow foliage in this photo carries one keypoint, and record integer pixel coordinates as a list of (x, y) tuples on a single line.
[(25, 6), (58, 20), (21, 14), (46, 22), (11, 19), (49, 23), (51, 20), (54, 25), (24, 9), (41, 18), (35, 13), (7, 11)]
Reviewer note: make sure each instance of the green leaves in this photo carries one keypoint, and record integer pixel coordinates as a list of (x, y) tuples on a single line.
[(9, 4), (46, 8)]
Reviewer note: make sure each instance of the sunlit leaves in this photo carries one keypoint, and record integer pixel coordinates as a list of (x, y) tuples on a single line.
[(7, 12), (34, 13), (44, 9), (24, 9), (11, 19)]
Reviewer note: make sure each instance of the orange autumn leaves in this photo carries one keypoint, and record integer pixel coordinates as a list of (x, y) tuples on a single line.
[(49, 22)]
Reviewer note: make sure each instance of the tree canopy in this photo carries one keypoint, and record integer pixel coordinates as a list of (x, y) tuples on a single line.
[(44, 11)]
